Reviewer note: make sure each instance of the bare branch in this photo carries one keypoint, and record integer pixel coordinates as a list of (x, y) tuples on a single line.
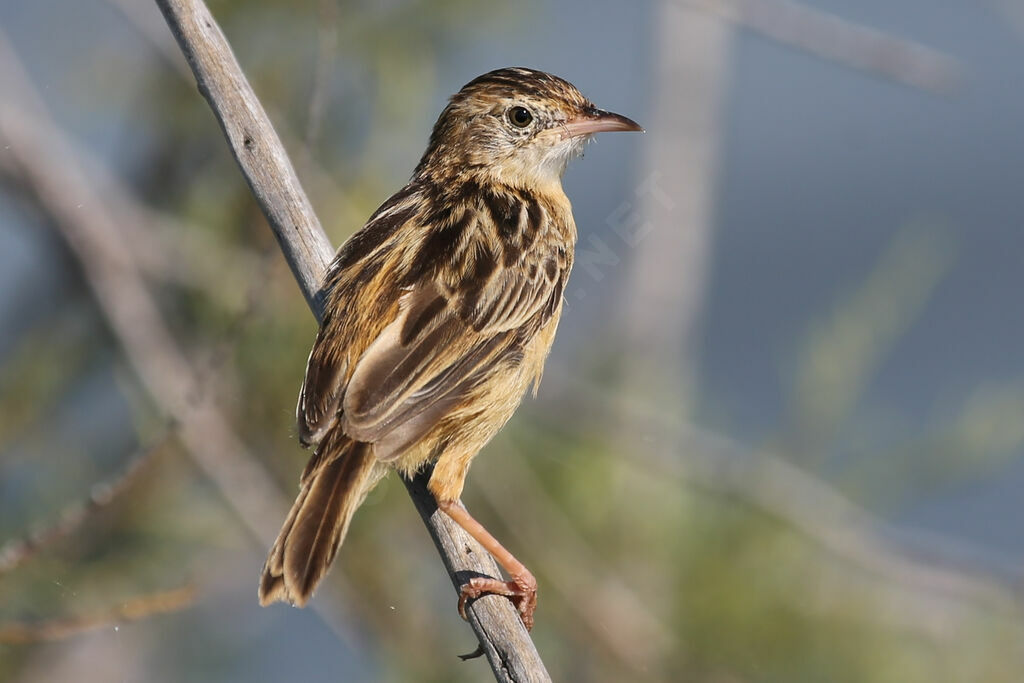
[(254, 144), (133, 609), (49, 168), (15, 552), (272, 178)]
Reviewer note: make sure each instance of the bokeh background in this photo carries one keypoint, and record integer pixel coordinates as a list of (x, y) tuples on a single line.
[(781, 433)]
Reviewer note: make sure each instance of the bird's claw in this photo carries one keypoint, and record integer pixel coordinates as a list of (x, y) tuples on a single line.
[(521, 590)]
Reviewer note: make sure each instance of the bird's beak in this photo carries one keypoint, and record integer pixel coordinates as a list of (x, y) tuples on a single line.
[(592, 120)]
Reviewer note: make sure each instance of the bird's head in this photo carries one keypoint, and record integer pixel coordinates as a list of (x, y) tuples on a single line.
[(515, 126)]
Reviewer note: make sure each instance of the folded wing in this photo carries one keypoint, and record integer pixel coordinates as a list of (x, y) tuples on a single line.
[(452, 326)]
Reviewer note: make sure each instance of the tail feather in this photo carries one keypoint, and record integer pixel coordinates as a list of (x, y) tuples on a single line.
[(330, 494)]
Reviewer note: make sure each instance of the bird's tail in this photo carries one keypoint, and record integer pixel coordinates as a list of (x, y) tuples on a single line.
[(334, 484)]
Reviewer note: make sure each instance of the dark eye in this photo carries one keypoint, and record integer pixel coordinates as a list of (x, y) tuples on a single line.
[(520, 117)]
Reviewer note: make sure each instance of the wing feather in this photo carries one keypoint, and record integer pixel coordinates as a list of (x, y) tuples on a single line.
[(328, 367), (466, 311)]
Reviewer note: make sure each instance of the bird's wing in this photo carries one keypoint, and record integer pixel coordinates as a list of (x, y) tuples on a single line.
[(360, 304), (445, 340), (399, 352)]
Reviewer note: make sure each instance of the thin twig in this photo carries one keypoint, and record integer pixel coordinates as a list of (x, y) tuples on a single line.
[(133, 609), (270, 174), (15, 552), (831, 37)]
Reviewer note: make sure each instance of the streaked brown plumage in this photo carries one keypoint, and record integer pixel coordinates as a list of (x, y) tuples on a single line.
[(440, 313)]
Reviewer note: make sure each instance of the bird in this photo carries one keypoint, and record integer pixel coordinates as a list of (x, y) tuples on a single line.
[(439, 315)]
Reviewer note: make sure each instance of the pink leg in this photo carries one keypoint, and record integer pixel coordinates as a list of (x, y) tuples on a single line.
[(522, 586)]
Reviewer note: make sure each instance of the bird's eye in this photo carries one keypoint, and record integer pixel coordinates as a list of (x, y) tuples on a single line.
[(520, 117)]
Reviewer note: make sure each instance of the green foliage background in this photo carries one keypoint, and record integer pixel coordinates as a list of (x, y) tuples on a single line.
[(651, 565)]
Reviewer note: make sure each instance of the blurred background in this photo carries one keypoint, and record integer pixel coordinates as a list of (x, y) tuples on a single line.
[(780, 437)]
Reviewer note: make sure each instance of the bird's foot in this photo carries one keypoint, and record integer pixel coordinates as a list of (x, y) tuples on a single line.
[(521, 590)]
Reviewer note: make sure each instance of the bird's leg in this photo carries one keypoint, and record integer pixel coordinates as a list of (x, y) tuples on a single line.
[(522, 586)]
